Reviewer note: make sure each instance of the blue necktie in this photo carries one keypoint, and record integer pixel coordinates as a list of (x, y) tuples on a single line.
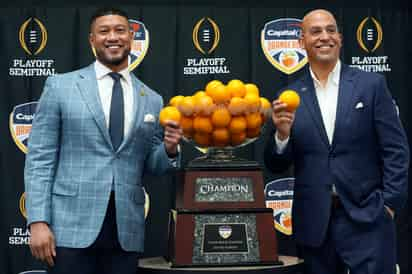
[(116, 120)]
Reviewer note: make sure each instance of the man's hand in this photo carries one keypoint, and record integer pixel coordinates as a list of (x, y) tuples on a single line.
[(42, 244), (282, 119), (172, 135)]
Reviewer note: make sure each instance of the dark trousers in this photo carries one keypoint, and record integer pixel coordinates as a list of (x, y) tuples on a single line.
[(359, 248), (104, 256)]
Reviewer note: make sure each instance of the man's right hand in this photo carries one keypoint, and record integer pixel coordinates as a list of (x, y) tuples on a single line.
[(42, 243), (282, 119)]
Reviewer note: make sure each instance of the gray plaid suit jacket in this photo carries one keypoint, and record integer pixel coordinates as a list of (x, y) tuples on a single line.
[(71, 164)]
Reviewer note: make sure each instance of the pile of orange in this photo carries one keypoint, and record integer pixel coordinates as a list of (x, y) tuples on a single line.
[(220, 115)]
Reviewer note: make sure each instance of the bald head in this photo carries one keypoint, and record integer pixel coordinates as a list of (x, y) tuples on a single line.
[(315, 15)]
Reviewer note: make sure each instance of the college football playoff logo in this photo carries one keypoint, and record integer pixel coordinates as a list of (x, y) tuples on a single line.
[(206, 35), (33, 36), (369, 34)]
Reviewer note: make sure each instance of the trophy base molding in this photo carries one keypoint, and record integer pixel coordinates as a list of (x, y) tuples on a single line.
[(159, 265)]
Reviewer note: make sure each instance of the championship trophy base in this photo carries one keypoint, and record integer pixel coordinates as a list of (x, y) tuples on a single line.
[(229, 237)]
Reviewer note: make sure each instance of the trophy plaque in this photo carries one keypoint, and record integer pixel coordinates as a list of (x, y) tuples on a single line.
[(220, 218)]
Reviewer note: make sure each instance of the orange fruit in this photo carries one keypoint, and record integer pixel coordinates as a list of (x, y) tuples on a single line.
[(204, 105), (202, 124), (175, 100), (221, 137), (265, 107), (236, 88), (237, 138), (253, 132), (220, 94), (291, 99), (254, 120), (169, 113), (199, 94), (237, 106), (212, 84), (202, 139), (252, 101), (252, 89), (221, 117), (237, 124), (187, 105), (186, 124)]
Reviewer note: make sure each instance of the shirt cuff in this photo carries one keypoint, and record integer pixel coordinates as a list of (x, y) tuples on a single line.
[(280, 144), (173, 160)]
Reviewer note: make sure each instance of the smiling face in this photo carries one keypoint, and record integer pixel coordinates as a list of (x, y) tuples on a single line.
[(111, 37), (320, 37)]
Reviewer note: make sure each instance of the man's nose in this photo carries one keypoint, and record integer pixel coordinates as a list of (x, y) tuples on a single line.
[(112, 35), (324, 35)]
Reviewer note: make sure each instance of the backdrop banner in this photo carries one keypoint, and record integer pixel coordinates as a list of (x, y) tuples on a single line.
[(178, 49)]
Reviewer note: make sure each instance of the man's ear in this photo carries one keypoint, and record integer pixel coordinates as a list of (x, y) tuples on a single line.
[(301, 44)]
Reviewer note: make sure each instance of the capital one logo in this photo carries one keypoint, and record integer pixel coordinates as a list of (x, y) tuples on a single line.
[(33, 36), (369, 34), (206, 35)]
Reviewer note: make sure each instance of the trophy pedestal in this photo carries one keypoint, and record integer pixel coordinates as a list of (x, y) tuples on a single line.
[(220, 218), (229, 237)]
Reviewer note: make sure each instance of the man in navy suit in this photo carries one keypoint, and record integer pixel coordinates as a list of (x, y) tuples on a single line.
[(94, 136), (350, 156)]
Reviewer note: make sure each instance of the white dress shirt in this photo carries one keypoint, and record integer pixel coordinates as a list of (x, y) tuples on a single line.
[(105, 86), (327, 97)]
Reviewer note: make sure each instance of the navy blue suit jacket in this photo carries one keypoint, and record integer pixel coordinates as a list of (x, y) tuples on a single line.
[(367, 161)]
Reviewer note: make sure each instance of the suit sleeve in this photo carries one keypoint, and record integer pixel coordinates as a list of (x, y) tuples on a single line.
[(393, 148), (274, 161), (42, 156)]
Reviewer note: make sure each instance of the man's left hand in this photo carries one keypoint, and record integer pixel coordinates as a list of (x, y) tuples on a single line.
[(172, 135)]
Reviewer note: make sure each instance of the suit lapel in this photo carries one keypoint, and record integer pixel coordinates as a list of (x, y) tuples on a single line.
[(310, 101), (345, 95), (87, 85), (139, 101)]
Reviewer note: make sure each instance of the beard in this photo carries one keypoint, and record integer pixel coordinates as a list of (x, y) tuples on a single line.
[(112, 60)]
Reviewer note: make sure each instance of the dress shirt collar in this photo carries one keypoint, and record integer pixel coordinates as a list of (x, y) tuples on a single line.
[(102, 71), (333, 75)]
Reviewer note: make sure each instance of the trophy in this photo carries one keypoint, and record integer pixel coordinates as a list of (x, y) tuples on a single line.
[(220, 218)]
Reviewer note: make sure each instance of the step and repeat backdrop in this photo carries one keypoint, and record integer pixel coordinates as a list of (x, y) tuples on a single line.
[(178, 49)]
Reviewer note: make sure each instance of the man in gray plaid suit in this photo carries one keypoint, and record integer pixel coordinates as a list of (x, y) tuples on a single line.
[(94, 135)]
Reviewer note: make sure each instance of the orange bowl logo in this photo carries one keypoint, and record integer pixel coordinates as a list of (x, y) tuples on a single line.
[(279, 197), (206, 35), (33, 36), (139, 46), (20, 123), (280, 44), (369, 34), (140, 43)]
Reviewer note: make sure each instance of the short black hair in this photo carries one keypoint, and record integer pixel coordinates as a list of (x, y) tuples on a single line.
[(107, 11)]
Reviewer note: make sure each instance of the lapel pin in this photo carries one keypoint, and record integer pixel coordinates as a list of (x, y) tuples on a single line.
[(304, 88), (142, 93)]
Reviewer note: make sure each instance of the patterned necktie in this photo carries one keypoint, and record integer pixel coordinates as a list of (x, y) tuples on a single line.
[(116, 120)]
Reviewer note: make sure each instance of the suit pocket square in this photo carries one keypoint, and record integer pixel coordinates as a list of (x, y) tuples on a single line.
[(359, 105), (149, 118)]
